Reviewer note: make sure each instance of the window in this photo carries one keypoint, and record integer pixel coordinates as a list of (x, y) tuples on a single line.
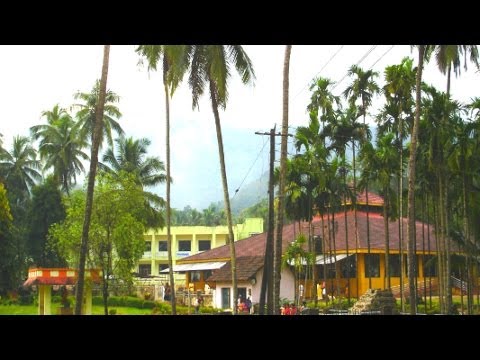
[(194, 276), (144, 270), (349, 267), (204, 245), (184, 245), (372, 265), (162, 267), (430, 265), (162, 246), (148, 246), (207, 274), (394, 265)]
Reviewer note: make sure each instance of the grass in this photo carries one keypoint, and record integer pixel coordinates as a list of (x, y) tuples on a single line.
[(96, 310)]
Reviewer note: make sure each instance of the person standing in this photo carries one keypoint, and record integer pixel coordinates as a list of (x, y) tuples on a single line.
[(198, 302), (168, 293)]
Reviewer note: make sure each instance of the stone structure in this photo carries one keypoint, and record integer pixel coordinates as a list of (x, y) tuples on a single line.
[(375, 301)]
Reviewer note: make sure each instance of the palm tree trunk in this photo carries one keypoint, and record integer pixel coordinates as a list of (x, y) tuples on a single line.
[(429, 253), (97, 134), (467, 242), (424, 210), (400, 191), (226, 197), (281, 186), (411, 185), (355, 224), (438, 244), (346, 230), (168, 210), (387, 238)]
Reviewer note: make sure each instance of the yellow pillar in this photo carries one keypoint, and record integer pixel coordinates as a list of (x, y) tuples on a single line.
[(87, 300), (41, 301), (44, 299)]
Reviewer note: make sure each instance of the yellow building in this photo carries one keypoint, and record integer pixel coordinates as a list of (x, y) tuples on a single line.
[(186, 241)]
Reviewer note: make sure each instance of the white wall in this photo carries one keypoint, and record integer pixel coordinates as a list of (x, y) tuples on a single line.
[(287, 288)]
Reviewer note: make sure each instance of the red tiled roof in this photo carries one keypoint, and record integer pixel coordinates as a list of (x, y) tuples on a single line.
[(255, 245), (247, 267), (373, 199)]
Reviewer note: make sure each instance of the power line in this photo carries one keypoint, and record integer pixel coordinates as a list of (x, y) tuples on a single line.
[(358, 63), (380, 58), (323, 67), (251, 167)]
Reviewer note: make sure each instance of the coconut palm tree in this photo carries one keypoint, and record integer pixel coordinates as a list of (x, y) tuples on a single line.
[(172, 59), (61, 146), (148, 171), (210, 66), (281, 188), (96, 139), (19, 167), (87, 110)]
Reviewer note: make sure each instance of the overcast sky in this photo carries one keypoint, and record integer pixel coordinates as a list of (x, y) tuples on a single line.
[(35, 78)]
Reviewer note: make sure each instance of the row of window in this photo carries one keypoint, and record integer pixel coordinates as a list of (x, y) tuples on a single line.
[(372, 265), (195, 276), (348, 267), (183, 245), (146, 269)]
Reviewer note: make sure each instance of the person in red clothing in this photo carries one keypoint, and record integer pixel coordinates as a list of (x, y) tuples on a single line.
[(293, 309)]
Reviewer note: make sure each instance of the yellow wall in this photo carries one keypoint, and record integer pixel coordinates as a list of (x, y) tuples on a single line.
[(361, 282), (217, 235)]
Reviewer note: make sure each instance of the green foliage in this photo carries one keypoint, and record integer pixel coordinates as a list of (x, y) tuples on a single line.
[(47, 208), (61, 146), (8, 251), (211, 216), (125, 301), (147, 171), (260, 209), (116, 229)]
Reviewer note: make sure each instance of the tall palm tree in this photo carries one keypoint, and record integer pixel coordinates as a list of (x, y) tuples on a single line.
[(87, 110), (170, 56), (363, 87), (400, 80), (281, 188), (19, 167), (148, 171), (61, 146), (380, 164), (448, 57), (96, 138), (411, 182), (210, 65)]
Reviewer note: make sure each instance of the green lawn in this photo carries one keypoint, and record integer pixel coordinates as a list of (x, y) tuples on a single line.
[(96, 310)]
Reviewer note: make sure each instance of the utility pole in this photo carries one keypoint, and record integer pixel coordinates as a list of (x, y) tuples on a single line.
[(267, 278)]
